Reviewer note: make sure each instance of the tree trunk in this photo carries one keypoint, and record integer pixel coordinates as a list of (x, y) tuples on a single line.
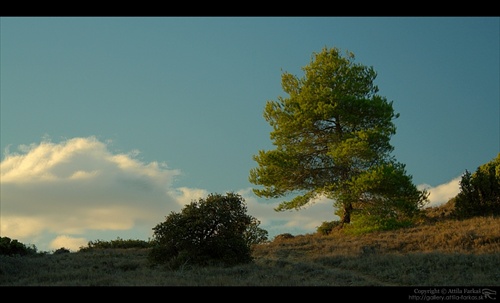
[(346, 217)]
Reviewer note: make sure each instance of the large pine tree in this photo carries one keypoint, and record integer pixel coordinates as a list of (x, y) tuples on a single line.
[(332, 136)]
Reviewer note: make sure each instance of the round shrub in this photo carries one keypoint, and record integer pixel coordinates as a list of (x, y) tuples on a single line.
[(211, 231)]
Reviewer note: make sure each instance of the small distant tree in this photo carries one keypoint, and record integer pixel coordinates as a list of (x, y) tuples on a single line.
[(479, 191), (211, 231)]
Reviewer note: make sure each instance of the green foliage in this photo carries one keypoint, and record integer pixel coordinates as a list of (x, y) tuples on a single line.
[(254, 235), (215, 230), (118, 243), (9, 247), (386, 193), (332, 136), (363, 224), (479, 192)]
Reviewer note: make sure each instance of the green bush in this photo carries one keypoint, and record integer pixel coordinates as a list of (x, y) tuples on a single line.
[(118, 243), (364, 224), (211, 231), (479, 192), (10, 247), (61, 250)]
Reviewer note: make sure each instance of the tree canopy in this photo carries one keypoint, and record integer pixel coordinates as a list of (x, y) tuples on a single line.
[(332, 137)]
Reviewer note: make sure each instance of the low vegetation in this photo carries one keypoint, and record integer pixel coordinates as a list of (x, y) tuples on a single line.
[(439, 251), (214, 243)]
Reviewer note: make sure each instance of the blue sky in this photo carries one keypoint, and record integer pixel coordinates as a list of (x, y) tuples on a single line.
[(109, 124)]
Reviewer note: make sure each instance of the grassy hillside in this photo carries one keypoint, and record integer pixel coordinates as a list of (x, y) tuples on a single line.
[(438, 252)]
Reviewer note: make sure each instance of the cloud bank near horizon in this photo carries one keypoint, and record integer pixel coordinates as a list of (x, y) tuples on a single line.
[(64, 194), (79, 185), (442, 193)]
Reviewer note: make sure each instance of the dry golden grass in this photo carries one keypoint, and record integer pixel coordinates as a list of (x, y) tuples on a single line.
[(447, 252)]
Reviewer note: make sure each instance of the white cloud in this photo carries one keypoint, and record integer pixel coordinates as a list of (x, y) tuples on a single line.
[(185, 195), (71, 243), (305, 220), (442, 193), (78, 185)]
